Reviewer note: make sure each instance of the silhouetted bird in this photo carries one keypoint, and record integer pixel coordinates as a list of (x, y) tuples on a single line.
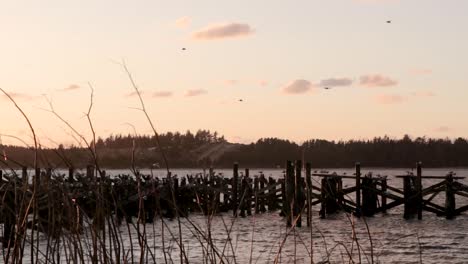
[(326, 88), (241, 100), (389, 21), (184, 49)]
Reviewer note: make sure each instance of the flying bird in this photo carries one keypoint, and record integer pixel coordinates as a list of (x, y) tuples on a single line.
[(326, 88), (184, 49), (241, 100), (389, 21)]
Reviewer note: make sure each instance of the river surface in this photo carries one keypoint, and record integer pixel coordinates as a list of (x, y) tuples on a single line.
[(257, 239)]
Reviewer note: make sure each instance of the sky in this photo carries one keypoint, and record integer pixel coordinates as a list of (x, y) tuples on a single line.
[(334, 69)]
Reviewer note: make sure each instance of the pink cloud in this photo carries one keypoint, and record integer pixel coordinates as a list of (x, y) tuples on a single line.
[(377, 80), (162, 94), (183, 22), (71, 87), (335, 82), (222, 31), (18, 96), (420, 71), (297, 87), (389, 99), (442, 129), (194, 92)]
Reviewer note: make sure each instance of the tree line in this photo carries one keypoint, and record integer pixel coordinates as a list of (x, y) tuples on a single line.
[(193, 149)]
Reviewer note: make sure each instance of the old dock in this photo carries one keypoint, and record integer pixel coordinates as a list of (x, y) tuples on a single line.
[(54, 203)]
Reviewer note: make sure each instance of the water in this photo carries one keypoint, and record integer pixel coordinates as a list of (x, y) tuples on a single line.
[(257, 238)]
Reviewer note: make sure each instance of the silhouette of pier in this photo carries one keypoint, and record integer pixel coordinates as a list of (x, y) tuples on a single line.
[(54, 203)]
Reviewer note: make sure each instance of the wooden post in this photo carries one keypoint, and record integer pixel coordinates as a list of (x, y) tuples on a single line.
[(90, 172), (8, 216), (24, 176), (243, 197), (324, 197), (419, 189), (298, 194), (235, 181), (37, 178), (248, 192), (262, 199), (48, 177), (449, 197), (284, 202), (358, 189), (257, 199), (309, 193), (339, 192), (407, 194), (369, 197), (384, 197), (272, 199), (289, 192), (71, 172)]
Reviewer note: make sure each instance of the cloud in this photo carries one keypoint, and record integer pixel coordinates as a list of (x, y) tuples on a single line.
[(162, 94), (389, 99), (335, 82), (377, 80), (71, 87), (194, 92), (420, 71), (222, 31), (297, 87), (183, 22), (423, 94), (18, 96), (442, 129)]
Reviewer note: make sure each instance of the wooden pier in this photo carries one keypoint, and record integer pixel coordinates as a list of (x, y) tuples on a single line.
[(66, 201)]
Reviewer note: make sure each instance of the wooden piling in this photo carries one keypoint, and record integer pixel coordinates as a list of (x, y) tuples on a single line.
[(449, 197), (409, 198), (235, 181), (272, 198), (248, 193), (309, 193), (243, 196), (24, 176), (369, 196), (290, 194), (90, 172), (256, 195), (384, 195), (262, 198), (358, 189), (419, 189), (323, 198), (71, 172), (298, 194)]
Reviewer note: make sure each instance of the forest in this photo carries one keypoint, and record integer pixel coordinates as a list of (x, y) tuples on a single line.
[(205, 148)]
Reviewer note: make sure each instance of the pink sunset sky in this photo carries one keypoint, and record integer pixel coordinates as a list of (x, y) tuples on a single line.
[(195, 60)]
